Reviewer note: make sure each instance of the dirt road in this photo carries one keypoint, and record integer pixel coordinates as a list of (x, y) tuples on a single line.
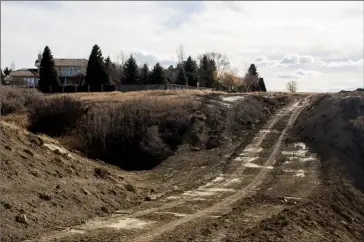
[(242, 179)]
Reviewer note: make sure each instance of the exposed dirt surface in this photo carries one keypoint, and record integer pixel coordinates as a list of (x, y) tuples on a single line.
[(244, 172), (45, 187)]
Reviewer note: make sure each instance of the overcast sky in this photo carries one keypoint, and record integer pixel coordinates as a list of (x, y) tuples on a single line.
[(317, 44)]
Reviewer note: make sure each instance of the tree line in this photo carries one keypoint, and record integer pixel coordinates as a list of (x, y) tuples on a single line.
[(209, 70)]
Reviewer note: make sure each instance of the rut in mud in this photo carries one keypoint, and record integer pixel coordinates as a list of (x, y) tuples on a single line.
[(242, 179)]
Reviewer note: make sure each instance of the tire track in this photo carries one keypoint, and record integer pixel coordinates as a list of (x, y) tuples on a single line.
[(227, 202)]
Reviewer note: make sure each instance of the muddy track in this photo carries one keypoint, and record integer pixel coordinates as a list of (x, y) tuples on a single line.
[(212, 199)]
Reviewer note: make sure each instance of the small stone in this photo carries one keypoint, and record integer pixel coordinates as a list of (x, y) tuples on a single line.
[(195, 149), (22, 218), (58, 186), (147, 198), (35, 173), (8, 148), (105, 209), (22, 211), (84, 191), (23, 156), (130, 188), (44, 196), (35, 140), (29, 152), (7, 205), (57, 152)]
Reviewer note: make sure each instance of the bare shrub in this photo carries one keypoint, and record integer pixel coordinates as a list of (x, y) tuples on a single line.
[(55, 116), (15, 99), (137, 133), (291, 86)]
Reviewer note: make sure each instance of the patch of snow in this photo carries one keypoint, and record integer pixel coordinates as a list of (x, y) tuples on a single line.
[(246, 159), (62, 150), (129, 223), (252, 165), (253, 149), (174, 214), (231, 98)]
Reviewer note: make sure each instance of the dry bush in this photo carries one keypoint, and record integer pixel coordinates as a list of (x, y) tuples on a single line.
[(15, 99), (55, 116), (135, 134)]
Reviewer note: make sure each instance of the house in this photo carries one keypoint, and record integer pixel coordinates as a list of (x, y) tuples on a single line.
[(23, 77), (68, 70)]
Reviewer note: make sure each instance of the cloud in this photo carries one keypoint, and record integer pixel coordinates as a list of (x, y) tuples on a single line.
[(349, 63), (317, 40)]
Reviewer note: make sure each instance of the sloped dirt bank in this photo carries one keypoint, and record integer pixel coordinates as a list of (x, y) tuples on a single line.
[(333, 128), (46, 187)]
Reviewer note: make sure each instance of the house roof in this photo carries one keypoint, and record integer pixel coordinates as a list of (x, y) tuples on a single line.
[(70, 62), (23, 73)]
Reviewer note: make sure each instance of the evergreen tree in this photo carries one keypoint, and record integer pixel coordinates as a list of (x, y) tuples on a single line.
[(171, 67), (144, 74), (181, 77), (48, 75), (207, 70), (96, 73), (204, 63), (7, 71), (190, 65), (157, 76), (130, 71), (253, 70), (262, 85), (191, 71)]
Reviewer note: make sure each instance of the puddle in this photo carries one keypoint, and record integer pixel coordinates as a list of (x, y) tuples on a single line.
[(129, 223)]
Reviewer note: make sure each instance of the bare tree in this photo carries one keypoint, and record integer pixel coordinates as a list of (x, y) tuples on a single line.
[(222, 62), (180, 54), (291, 86), (120, 58)]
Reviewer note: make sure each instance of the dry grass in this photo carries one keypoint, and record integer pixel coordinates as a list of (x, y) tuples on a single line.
[(16, 100), (112, 97)]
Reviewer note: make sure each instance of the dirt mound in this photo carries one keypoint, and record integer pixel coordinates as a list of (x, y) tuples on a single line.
[(45, 187), (333, 128)]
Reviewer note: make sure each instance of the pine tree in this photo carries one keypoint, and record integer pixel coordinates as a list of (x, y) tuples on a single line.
[(7, 71), (157, 76), (191, 71), (181, 77), (262, 85), (253, 71), (96, 73), (144, 74), (48, 75), (130, 71), (204, 63)]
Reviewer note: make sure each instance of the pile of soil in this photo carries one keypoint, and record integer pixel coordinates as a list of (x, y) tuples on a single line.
[(333, 128), (46, 188)]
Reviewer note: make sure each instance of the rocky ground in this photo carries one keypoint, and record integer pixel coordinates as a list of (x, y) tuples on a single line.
[(294, 174)]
